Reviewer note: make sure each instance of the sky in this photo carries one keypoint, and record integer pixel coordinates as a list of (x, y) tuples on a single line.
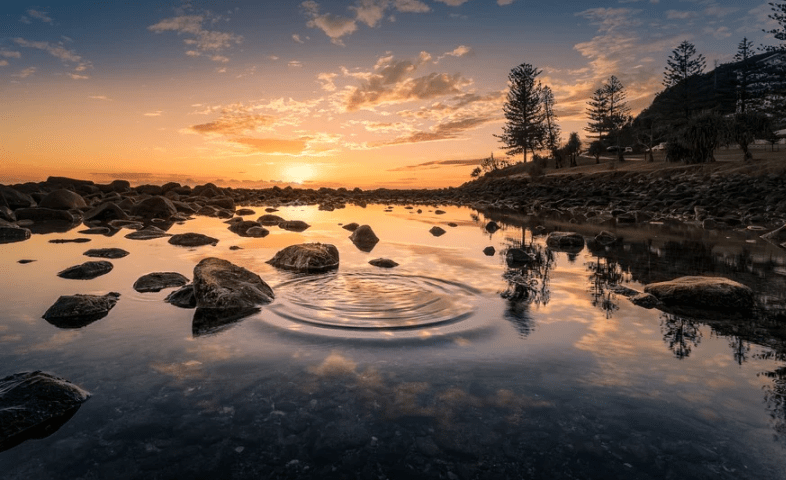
[(358, 93)]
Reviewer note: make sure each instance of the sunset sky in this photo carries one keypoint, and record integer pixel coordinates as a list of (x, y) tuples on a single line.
[(368, 93)]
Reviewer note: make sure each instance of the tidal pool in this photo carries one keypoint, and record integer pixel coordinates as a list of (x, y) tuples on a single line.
[(451, 365)]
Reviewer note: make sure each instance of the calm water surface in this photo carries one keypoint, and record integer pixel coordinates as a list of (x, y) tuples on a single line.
[(452, 365)]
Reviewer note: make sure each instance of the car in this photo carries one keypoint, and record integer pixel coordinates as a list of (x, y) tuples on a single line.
[(660, 146), (628, 149), (612, 148)]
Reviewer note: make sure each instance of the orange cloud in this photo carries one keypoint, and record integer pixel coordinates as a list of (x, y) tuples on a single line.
[(274, 145)]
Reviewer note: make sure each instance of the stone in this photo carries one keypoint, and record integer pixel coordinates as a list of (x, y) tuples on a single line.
[(778, 236), (148, 233), (306, 257), (383, 263), (87, 270), (154, 207), (62, 199), (40, 214), (35, 405), (241, 228), (70, 240), (294, 225), (11, 234), (517, 257), (364, 238), (605, 238), (76, 311), (269, 220), (25, 261), (452, 224), (192, 240), (713, 293), (257, 232), (106, 253), (245, 211), (646, 300), (182, 297), (565, 240), (220, 284), (437, 231), (439, 212), (95, 231), (15, 199), (157, 281), (489, 251), (105, 213), (351, 226), (128, 224), (271, 209)]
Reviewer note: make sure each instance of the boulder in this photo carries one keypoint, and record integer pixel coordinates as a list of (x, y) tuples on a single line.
[(241, 228), (106, 253), (63, 199), (351, 226), (10, 234), (294, 225), (701, 293), (87, 270), (148, 233), (489, 251), (219, 284), (40, 214), (76, 311), (257, 232), (105, 213), (245, 211), (95, 231), (364, 238), (157, 281), (182, 297), (565, 240), (306, 257), (192, 240), (492, 226), (437, 231), (120, 186), (439, 212), (154, 207), (16, 199), (269, 220), (646, 300), (35, 405), (383, 263)]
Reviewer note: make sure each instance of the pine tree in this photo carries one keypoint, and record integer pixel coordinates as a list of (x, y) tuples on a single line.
[(682, 66), (525, 129), (779, 15), (743, 55), (552, 128), (597, 112)]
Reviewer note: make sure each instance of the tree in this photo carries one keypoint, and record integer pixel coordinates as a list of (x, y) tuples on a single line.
[(619, 112), (597, 111), (745, 127), (682, 66), (525, 129), (475, 172), (744, 52), (596, 149), (779, 15), (553, 132), (697, 142), (573, 147)]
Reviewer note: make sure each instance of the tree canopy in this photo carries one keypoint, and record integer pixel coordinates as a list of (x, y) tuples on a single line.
[(525, 129)]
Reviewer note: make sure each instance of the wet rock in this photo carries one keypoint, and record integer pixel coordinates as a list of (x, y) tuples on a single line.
[(35, 405), (106, 253), (605, 238), (63, 199), (95, 231), (148, 233), (383, 263), (39, 214), (219, 284), (565, 240), (182, 297), (128, 224), (437, 231), (452, 224), (70, 240), (11, 234), (351, 226), (242, 227), (235, 247), (192, 240), (306, 257), (294, 225), (157, 281), (245, 211), (489, 251), (15, 199), (154, 207), (105, 213), (224, 203), (778, 237), (517, 257), (25, 261), (87, 270), (646, 300), (714, 293), (7, 214), (271, 209), (364, 238), (269, 220), (76, 311), (439, 212), (257, 232)]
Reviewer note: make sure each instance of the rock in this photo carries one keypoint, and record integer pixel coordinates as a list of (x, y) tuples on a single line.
[(257, 232), (351, 226), (452, 224), (565, 240), (777, 236), (10, 234), (192, 240), (148, 233), (605, 238), (76, 311), (489, 251), (87, 270), (183, 297), (269, 220), (7, 214), (306, 257), (224, 203), (105, 213), (364, 238), (271, 209), (714, 293), (70, 240), (219, 284), (517, 257), (39, 214), (106, 253), (235, 247), (35, 405), (294, 225), (157, 281), (241, 228), (120, 186), (154, 207), (25, 261), (95, 231), (63, 199), (439, 212), (15, 199), (437, 231), (383, 263), (128, 224), (646, 300), (245, 211)]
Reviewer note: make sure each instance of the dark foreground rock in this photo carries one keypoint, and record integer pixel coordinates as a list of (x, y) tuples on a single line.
[(157, 281), (437, 231), (294, 225), (306, 257), (35, 405), (69, 240), (703, 293), (182, 297), (192, 240), (364, 238), (219, 284), (489, 251), (269, 220), (87, 270), (76, 311), (11, 234), (565, 240), (106, 253), (62, 199), (351, 226), (383, 263), (148, 233)]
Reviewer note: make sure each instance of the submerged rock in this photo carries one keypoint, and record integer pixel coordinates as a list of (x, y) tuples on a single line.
[(69, 240), (269, 220), (437, 231), (364, 238), (76, 311), (106, 253), (245, 211), (148, 233), (35, 405), (257, 232), (219, 284), (192, 240), (383, 263), (95, 231), (306, 257), (294, 225), (248, 228), (182, 297), (87, 270), (517, 257), (565, 240), (157, 281), (713, 293)]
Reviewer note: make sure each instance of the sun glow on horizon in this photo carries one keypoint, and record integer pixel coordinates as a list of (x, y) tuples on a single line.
[(298, 173)]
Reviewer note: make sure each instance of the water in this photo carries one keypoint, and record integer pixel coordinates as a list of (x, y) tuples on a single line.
[(451, 365)]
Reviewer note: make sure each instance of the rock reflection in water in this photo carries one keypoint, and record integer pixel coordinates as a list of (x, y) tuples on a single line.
[(681, 334), (209, 321)]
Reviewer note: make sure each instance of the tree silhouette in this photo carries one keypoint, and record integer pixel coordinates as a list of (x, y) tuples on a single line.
[(779, 15), (552, 128), (680, 333), (597, 111), (682, 66), (525, 129), (743, 55)]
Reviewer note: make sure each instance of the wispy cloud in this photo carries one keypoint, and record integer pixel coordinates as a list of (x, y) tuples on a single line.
[(39, 15), (274, 145), (435, 164), (99, 97), (199, 39), (59, 51), (27, 72), (157, 113)]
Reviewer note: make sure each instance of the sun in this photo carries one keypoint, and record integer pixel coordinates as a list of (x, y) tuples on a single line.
[(298, 173)]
